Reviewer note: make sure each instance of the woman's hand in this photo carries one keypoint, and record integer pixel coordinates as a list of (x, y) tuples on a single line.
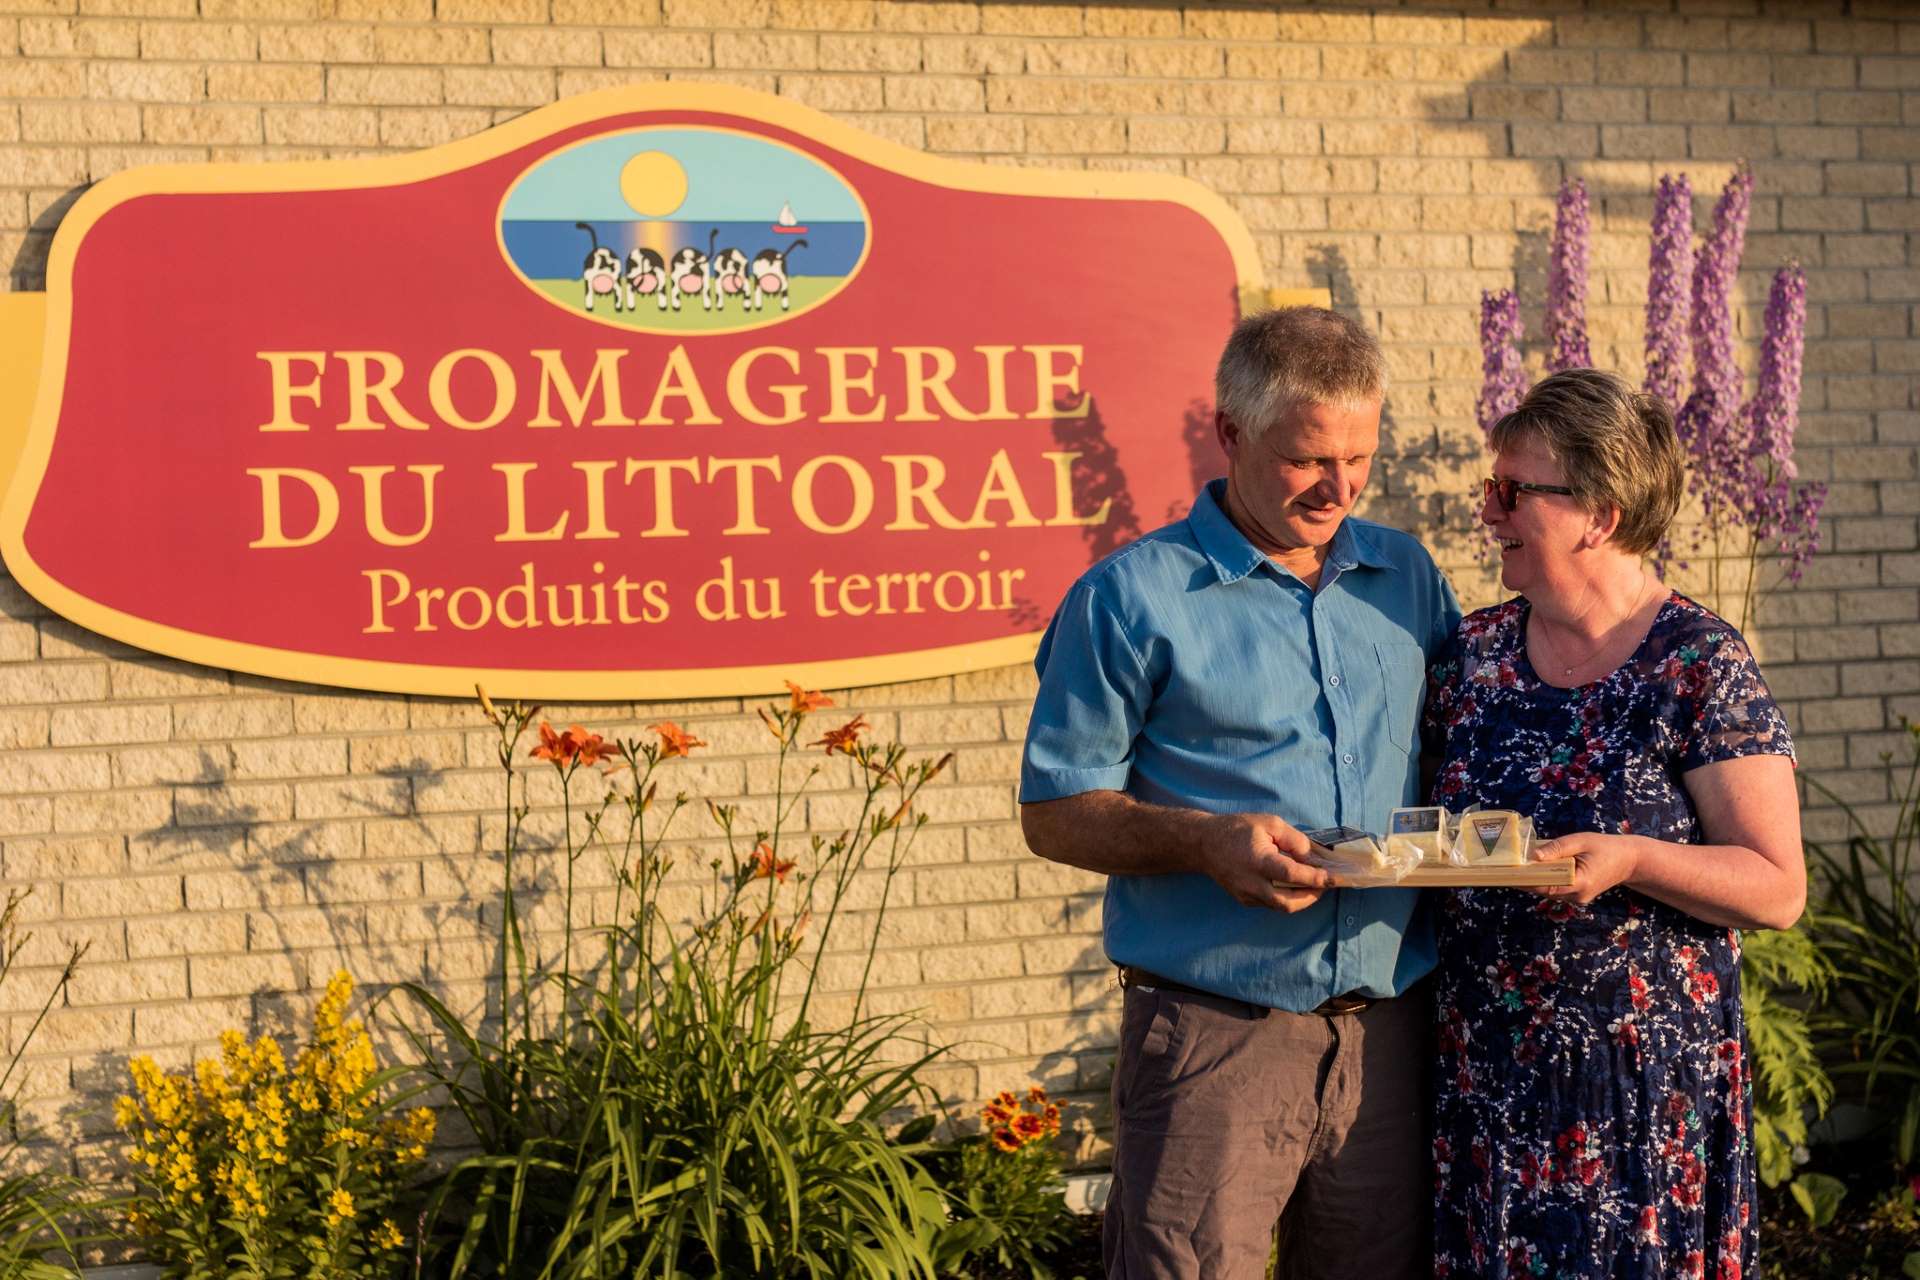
[(1600, 863)]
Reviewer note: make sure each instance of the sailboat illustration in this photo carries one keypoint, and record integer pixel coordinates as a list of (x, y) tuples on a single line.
[(787, 224)]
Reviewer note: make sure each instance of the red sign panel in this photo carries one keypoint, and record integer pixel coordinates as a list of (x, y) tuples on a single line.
[(655, 393)]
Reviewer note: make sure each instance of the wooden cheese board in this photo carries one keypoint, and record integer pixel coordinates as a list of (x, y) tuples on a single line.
[(1529, 875)]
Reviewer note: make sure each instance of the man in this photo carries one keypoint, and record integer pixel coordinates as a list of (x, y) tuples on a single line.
[(1207, 694)]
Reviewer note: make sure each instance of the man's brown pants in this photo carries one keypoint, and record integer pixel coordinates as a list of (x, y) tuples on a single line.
[(1228, 1116)]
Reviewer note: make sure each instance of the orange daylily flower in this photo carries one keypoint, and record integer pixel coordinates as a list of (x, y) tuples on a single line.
[(844, 738), (766, 864), (574, 747), (675, 741), (805, 700)]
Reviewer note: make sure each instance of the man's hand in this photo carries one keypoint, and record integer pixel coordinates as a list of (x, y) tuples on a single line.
[(1256, 858)]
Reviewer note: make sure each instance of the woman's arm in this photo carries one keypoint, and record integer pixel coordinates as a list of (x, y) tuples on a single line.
[(1750, 874)]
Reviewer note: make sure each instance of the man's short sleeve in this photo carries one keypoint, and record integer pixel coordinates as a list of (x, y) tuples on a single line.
[(1094, 694)]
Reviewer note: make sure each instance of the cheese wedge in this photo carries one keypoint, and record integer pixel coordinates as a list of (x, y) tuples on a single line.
[(1493, 837), (1351, 849), (1421, 830)]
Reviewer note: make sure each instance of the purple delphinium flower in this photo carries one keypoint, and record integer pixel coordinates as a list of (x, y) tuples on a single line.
[(1710, 424), (1711, 323), (1669, 290), (1775, 410), (1503, 381), (1567, 280), (1777, 513)]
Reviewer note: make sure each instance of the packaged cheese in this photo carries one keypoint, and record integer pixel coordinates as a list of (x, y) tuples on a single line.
[(1424, 830), (1359, 859), (1495, 837)]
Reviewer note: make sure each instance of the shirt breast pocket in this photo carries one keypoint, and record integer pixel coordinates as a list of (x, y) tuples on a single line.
[(1403, 682)]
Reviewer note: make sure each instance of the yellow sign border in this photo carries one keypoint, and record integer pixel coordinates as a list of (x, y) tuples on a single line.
[(25, 453)]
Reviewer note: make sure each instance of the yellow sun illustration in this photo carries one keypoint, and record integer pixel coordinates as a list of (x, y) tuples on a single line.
[(653, 183)]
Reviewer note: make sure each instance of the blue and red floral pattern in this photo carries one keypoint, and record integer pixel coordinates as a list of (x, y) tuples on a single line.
[(1592, 1102)]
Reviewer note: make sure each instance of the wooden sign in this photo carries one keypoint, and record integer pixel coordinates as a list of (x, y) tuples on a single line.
[(663, 392)]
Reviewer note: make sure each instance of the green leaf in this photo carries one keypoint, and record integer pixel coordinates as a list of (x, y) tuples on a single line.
[(1910, 1266), (1818, 1196)]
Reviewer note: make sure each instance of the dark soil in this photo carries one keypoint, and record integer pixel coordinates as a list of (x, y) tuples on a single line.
[(1854, 1246), (1078, 1259)]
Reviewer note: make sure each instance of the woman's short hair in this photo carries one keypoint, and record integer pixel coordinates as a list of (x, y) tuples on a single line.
[(1617, 446), (1276, 361)]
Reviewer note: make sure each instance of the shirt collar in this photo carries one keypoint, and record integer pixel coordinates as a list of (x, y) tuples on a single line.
[(1233, 557)]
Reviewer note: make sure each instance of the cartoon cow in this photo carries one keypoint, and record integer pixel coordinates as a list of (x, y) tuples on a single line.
[(687, 275), (600, 273), (726, 273), (770, 276), (646, 276)]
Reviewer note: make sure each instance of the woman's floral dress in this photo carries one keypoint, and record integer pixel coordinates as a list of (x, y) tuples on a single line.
[(1592, 1103)]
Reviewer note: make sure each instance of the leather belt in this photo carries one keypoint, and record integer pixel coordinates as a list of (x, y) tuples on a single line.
[(1333, 1007)]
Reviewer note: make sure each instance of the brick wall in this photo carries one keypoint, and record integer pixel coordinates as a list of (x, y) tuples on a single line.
[(224, 841)]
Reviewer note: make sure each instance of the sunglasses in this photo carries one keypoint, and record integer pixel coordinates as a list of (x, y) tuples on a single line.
[(1506, 490)]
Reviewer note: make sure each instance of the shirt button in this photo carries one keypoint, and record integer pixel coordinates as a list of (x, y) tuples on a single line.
[(1351, 921), (1347, 758), (1333, 679)]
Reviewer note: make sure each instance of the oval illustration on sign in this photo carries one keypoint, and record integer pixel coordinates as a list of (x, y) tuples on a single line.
[(683, 230)]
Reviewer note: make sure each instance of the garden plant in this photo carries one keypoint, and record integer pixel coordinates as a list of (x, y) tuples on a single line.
[(673, 1093), (249, 1169), (38, 1210)]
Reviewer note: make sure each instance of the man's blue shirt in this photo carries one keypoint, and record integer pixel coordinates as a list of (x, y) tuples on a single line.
[(1187, 669)]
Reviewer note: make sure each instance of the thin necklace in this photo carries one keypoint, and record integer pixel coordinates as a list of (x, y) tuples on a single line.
[(1639, 600)]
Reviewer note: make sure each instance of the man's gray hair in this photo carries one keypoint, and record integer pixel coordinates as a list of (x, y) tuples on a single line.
[(1277, 361)]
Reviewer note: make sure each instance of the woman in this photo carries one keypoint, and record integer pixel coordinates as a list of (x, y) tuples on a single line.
[(1592, 1098)]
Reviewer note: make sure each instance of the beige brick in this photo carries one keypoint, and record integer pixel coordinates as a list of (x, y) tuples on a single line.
[(835, 93), (985, 55), (411, 753), (1645, 69), (416, 127), (42, 166), (606, 13), (265, 83), (546, 47), (244, 974), (491, 10), (142, 983), (762, 49), (869, 53), (182, 934), (146, 81), (1059, 137), (254, 887), (659, 48), (358, 797), (823, 15), (82, 1031), (198, 41), (121, 897), (1551, 66), (431, 45), (384, 85), (197, 124), (112, 811), (79, 38), (934, 93), (231, 804), (197, 1022), (72, 122), (1187, 137), (62, 859), (718, 13), (53, 771)]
